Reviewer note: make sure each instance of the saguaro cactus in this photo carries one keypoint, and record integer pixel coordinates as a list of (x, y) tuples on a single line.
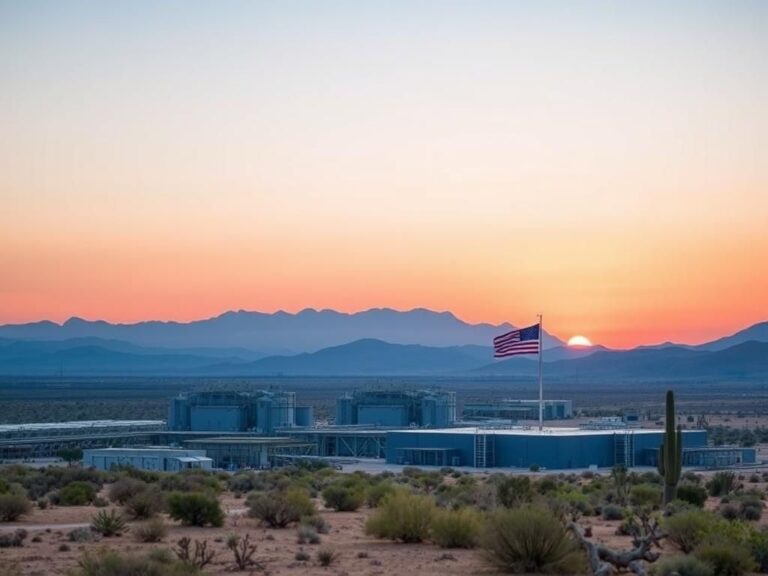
[(671, 452)]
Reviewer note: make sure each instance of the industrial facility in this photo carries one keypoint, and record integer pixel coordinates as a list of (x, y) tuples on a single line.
[(45, 439), (258, 412), (517, 410), (552, 448), (397, 407)]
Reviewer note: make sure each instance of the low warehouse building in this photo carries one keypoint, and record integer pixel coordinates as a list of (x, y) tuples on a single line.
[(159, 459), (552, 448)]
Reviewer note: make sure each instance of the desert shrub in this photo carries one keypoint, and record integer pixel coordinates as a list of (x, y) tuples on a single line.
[(729, 511), (307, 535), (42, 503), (515, 490), (302, 556), (326, 556), (84, 534), (278, 508), (145, 504), (343, 498), (687, 529), (317, 522), (612, 512), (645, 495), (722, 483), (376, 493), (402, 516), (530, 540), (13, 507), (693, 494), (125, 489), (100, 502), (13, 539), (727, 558), (108, 523), (78, 493), (151, 531), (110, 563), (191, 481), (456, 528), (681, 566), (195, 509), (750, 509), (243, 482)]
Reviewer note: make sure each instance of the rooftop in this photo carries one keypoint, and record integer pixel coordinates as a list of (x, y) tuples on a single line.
[(532, 431), (79, 424)]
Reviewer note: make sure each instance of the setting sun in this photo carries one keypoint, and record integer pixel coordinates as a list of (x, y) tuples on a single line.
[(579, 341)]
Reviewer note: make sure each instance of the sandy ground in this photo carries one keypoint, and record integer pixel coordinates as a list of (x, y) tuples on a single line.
[(358, 553)]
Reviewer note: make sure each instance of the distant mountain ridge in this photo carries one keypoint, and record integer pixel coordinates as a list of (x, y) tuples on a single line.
[(279, 333), (370, 357)]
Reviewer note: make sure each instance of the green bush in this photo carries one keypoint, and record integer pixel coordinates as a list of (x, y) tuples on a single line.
[(195, 509), (125, 489), (693, 494), (681, 566), (515, 490), (13, 507), (151, 531), (83, 535), (645, 495), (402, 516), (191, 481), (279, 508), (110, 563), (108, 523), (377, 492), (612, 512), (531, 540), (77, 494), (722, 483), (326, 557), (726, 558), (145, 504), (456, 528), (687, 529), (343, 498)]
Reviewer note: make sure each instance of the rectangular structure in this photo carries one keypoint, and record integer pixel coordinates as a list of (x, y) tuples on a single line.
[(159, 459), (553, 448)]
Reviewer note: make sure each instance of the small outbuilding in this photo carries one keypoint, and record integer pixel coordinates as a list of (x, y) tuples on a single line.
[(160, 459)]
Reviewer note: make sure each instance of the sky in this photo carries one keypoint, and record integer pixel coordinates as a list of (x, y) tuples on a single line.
[(603, 163)]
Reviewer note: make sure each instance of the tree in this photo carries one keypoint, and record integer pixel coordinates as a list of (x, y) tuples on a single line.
[(70, 455)]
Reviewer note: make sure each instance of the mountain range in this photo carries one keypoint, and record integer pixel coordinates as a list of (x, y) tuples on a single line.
[(415, 347), (278, 333)]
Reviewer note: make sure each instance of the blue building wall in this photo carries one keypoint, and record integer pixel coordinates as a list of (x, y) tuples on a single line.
[(524, 450), (217, 418), (382, 415)]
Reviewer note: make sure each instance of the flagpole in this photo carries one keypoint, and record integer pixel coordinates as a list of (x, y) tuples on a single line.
[(541, 384)]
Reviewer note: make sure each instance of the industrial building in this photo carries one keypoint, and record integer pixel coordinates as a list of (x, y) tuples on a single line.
[(258, 412), (342, 441), (517, 410), (160, 459), (552, 448), (233, 453), (397, 408), (45, 439)]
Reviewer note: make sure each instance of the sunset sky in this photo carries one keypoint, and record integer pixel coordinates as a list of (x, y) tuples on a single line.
[(605, 163)]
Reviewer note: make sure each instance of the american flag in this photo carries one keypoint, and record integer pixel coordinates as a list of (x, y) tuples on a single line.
[(523, 341)]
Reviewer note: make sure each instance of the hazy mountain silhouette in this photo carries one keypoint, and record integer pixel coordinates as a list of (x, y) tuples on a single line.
[(745, 360), (279, 333)]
